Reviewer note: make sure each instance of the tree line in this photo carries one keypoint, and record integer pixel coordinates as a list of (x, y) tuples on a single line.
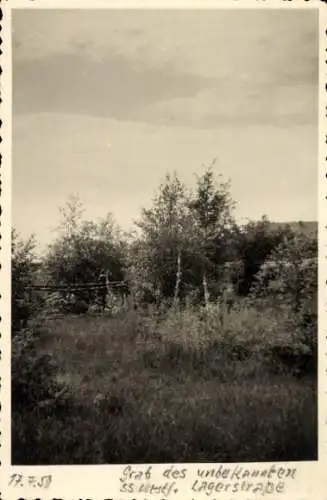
[(187, 244)]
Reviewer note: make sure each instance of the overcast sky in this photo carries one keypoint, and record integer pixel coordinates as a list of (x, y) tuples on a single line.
[(106, 102)]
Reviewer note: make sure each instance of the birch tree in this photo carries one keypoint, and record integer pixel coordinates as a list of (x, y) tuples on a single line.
[(164, 235), (211, 208)]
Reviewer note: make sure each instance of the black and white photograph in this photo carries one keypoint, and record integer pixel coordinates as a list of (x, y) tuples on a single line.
[(164, 253)]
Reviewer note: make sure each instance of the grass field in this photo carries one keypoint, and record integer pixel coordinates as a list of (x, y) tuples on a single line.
[(182, 387)]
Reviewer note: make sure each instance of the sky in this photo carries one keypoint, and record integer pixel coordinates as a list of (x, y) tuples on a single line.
[(106, 102)]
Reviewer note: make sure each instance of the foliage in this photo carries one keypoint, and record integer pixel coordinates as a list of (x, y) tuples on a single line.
[(212, 227), (22, 275), (211, 205), (164, 231), (84, 249), (173, 380), (36, 395), (254, 242), (290, 278), (185, 234), (291, 272)]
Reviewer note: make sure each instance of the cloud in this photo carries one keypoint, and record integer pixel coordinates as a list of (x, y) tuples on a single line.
[(237, 104), (196, 68), (111, 87)]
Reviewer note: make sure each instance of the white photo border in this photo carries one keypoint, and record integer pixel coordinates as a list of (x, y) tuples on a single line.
[(99, 482)]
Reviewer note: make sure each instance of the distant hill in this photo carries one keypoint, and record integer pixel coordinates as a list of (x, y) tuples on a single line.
[(305, 227)]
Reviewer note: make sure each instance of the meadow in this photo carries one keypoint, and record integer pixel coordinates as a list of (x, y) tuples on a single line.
[(205, 349), (169, 385)]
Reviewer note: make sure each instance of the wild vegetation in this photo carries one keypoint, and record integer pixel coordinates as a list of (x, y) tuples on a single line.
[(191, 339)]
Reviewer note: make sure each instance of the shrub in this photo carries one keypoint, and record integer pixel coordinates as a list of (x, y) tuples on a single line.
[(36, 394), (289, 279), (22, 274)]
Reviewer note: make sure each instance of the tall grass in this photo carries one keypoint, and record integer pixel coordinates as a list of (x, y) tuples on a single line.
[(186, 385)]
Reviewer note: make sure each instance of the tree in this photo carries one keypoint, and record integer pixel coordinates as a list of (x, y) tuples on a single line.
[(212, 224), (164, 230), (184, 235), (84, 249)]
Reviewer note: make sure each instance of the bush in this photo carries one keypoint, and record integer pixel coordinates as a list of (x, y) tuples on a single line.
[(256, 241), (289, 280), (36, 394), (22, 275)]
